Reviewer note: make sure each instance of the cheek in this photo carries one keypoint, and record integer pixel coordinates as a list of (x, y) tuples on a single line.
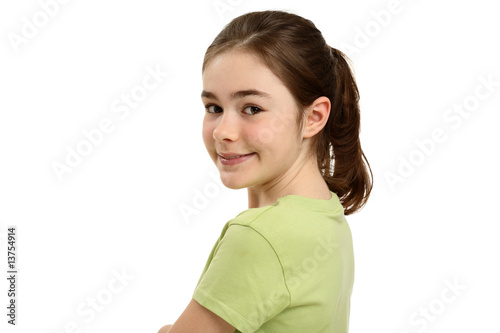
[(255, 136), (270, 134), (207, 133)]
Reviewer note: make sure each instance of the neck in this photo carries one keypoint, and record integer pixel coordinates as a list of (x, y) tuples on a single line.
[(303, 178)]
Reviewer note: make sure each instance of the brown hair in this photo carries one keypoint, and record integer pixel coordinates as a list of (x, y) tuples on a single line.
[(296, 52)]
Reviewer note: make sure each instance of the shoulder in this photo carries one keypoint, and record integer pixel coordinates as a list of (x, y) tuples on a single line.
[(258, 217), (254, 225), (291, 213), (290, 224), (279, 221)]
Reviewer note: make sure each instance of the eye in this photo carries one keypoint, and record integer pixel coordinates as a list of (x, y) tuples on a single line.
[(210, 108), (253, 109)]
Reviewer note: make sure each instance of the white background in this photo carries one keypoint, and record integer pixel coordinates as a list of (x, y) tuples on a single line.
[(119, 209)]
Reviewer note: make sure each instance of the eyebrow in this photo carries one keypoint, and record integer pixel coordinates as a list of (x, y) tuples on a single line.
[(238, 94)]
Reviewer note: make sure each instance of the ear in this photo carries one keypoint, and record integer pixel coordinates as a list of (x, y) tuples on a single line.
[(316, 116)]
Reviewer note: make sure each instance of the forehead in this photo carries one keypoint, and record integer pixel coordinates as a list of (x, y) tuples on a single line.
[(235, 70)]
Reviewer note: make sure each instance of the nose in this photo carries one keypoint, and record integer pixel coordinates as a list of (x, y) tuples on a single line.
[(227, 127)]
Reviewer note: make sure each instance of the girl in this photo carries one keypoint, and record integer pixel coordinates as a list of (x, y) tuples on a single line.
[(282, 120)]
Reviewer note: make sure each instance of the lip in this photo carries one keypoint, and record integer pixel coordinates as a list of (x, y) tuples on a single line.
[(230, 154), (234, 161)]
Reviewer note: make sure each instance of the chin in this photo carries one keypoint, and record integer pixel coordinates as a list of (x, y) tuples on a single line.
[(231, 184)]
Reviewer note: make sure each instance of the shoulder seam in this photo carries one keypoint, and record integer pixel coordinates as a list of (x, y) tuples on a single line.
[(276, 254)]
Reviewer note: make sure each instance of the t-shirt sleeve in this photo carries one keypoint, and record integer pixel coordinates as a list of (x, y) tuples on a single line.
[(244, 283)]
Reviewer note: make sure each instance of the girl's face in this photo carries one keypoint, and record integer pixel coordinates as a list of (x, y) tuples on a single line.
[(249, 111)]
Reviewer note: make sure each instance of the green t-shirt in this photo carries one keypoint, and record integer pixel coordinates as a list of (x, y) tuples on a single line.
[(283, 268)]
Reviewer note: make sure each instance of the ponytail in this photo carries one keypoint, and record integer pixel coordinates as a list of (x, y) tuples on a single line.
[(339, 141)]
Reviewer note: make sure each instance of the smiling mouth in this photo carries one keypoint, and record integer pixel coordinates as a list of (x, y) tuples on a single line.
[(234, 160), (231, 156)]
